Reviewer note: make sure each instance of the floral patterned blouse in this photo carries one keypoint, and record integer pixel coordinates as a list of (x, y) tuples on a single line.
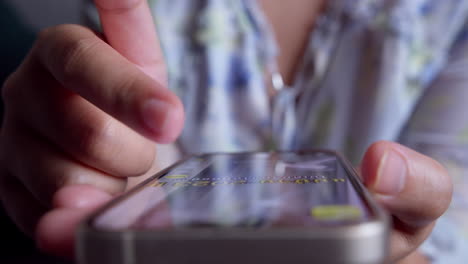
[(372, 70)]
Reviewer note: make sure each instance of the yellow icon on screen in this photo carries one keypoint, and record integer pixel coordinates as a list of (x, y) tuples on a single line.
[(176, 176), (336, 212)]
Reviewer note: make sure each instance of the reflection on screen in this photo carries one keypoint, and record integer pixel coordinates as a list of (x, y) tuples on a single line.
[(260, 190)]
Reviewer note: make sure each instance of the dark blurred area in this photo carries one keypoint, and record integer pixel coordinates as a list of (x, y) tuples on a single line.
[(16, 39), (14, 44)]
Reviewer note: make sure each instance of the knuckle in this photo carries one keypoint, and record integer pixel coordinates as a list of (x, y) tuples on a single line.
[(124, 91), (96, 140), (107, 145), (52, 34), (72, 55), (48, 38), (104, 144), (65, 48)]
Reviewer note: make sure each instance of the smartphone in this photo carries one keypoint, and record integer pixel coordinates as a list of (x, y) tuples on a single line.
[(272, 207)]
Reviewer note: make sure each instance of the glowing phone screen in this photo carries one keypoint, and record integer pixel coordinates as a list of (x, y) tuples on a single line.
[(258, 190)]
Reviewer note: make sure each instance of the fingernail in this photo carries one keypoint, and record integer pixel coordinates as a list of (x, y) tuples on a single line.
[(391, 174), (156, 115)]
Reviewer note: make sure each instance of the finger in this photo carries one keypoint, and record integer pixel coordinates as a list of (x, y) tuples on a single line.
[(414, 188), (20, 204), (80, 196), (43, 169), (56, 230), (77, 127), (82, 62), (405, 179), (129, 28)]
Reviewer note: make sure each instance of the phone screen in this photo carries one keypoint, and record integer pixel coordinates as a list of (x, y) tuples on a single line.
[(255, 190)]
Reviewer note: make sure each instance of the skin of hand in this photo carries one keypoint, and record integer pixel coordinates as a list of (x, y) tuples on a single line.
[(414, 188), (82, 115)]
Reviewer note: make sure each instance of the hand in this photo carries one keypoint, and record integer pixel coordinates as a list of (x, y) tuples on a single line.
[(414, 188), (81, 115)]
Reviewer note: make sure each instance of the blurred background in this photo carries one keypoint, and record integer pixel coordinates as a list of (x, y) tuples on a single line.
[(39, 14), (20, 21)]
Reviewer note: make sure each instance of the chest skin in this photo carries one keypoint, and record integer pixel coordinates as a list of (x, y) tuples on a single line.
[(291, 21)]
